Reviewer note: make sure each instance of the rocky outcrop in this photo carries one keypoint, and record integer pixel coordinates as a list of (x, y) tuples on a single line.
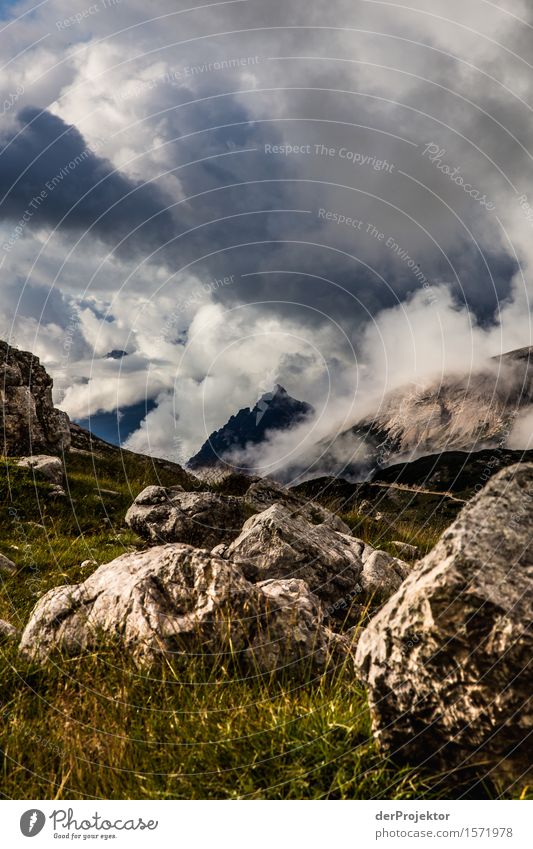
[(277, 544), (202, 519), (29, 422), (175, 600), (405, 548), (447, 659), (207, 519), (382, 574)]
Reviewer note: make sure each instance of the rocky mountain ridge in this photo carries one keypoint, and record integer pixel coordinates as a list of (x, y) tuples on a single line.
[(274, 412), (460, 412)]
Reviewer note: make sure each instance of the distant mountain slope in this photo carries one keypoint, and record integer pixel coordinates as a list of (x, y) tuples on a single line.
[(468, 411), (275, 411), (428, 492), (85, 442), (452, 471)]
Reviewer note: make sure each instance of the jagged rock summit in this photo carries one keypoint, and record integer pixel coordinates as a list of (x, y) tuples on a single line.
[(29, 422), (274, 411)]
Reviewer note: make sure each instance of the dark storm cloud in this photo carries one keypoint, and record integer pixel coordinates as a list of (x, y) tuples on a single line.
[(49, 176), (390, 113)]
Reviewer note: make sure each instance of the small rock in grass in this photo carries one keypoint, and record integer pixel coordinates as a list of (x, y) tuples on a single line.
[(7, 567)]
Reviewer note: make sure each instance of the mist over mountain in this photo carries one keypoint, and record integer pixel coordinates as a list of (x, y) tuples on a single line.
[(274, 411), (491, 407)]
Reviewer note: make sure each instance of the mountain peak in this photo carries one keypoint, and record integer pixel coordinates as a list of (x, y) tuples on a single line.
[(274, 411), (277, 391)]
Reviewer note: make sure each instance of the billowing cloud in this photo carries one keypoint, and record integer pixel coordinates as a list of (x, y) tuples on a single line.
[(360, 172)]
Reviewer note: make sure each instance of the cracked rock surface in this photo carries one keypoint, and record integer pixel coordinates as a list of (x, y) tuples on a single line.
[(29, 422), (175, 600), (45, 466), (202, 519), (447, 660)]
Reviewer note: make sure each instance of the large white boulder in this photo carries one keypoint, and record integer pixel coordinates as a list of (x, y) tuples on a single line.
[(175, 600)]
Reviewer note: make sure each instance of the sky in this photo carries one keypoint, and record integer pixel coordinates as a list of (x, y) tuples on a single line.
[(334, 196)]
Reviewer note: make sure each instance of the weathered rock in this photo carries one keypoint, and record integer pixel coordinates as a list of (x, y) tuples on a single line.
[(7, 567), (42, 465), (59, 492), (382, 574), (278, 544), (176, 600), (292, 632), (29, 422), (447, 658), (202, 519), (263, 493), (8, 631), (406, 549)]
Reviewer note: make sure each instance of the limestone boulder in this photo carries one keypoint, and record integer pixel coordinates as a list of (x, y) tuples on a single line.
[(202, 519), (45, 466), (277, 544), (29, 422), (264, 493), (447, 660), (173, 601)]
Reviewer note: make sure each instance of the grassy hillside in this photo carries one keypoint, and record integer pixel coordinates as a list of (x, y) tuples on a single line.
[(98, 726)]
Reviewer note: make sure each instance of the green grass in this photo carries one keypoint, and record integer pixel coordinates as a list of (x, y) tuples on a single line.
[(381, 534), (99, 726)]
